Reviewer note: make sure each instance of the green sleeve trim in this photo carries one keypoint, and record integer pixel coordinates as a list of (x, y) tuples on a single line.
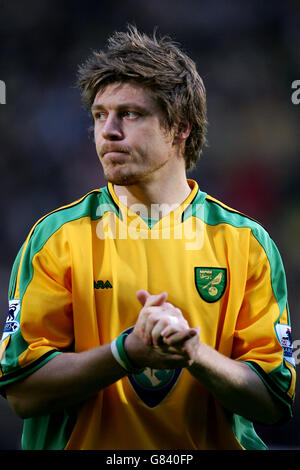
[(245, 433), (49, 432), (23, 372), (275, 385)]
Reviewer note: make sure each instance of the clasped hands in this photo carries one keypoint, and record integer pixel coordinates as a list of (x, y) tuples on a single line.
[(161, 337)]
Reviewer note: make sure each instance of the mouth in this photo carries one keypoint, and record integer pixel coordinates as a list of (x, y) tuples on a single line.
[(116, 156)]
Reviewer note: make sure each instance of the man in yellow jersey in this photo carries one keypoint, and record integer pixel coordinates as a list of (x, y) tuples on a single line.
[(147, 314)]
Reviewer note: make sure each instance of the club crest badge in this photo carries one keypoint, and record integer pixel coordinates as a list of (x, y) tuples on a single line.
[(210, 283), (153, 385)]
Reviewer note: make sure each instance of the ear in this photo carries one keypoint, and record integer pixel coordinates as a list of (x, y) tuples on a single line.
[(182, 133)]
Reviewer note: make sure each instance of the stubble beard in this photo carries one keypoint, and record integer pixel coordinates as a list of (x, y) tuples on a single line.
[(121, 176)]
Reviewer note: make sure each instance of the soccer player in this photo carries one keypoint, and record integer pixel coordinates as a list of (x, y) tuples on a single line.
[(147, 314)]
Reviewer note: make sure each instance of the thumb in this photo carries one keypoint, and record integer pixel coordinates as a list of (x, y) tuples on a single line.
[(146, 299), (142, 296)]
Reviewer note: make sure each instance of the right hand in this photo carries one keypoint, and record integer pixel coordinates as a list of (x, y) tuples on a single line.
[(144, 345), (156, 357), (157, 316)]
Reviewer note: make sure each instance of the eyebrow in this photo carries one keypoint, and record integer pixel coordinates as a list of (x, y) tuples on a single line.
[(97, 107)]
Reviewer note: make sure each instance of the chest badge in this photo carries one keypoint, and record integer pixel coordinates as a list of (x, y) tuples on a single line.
[(210, 283)]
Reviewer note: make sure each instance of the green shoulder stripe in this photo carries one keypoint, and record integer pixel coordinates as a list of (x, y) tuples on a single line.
[(195, 208), (215, 213), (14, 274), (107, 204), (23, 268), (278, 381), (88, 206)]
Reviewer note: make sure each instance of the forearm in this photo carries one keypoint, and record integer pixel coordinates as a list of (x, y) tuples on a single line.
[(66, 380), (235, 385), (71, 378)]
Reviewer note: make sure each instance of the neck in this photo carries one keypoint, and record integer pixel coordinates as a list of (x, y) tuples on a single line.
[(167, 194)]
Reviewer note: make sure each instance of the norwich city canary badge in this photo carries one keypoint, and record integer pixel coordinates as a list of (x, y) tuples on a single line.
[(211, 283)]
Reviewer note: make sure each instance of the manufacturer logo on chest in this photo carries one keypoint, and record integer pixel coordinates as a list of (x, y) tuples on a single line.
[(102, 285)]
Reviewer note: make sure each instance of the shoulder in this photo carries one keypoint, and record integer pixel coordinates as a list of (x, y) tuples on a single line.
[(84, 207), (260, 246), (216, 212)]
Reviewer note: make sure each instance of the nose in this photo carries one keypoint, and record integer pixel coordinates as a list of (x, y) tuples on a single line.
[(111, 129)]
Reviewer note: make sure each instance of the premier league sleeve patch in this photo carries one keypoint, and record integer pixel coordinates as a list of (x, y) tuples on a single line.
[(285, 338), (12, 325)]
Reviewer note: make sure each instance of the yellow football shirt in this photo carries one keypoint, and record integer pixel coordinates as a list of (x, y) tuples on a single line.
[(73, 287)]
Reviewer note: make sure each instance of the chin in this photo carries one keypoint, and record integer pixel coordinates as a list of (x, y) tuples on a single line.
[(121, 179)]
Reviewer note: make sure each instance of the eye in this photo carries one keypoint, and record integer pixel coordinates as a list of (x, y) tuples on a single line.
[(131, 115), (100, 116)]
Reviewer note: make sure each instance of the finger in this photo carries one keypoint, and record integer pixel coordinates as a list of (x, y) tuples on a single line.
[(142, 296), (156, 332), (189, 332), (146, 299), (156, 322), (175, 324), (156, 300), (197, 330), (180, 336), (150, 321), (148, 318), (168, 331)]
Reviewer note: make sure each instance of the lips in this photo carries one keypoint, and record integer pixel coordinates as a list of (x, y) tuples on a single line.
[(116, 156), (114, 152)]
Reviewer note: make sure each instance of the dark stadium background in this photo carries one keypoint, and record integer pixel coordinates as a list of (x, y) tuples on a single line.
[(248, 54)]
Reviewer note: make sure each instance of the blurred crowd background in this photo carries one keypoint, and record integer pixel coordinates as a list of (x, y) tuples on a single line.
[(248, 54)]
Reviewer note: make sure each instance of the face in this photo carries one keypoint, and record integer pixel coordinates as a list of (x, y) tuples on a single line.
[(131, 142)]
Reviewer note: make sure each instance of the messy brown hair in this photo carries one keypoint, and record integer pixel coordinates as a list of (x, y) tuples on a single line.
[(160, 65)]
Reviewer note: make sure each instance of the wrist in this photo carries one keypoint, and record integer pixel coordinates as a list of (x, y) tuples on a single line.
[(134, 348), (197, 357), (120, 354)]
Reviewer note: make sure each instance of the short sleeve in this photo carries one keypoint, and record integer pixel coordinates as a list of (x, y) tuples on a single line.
[(263, 329), (39, 324)]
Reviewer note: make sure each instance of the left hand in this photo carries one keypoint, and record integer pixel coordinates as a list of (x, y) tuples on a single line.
[(158, 316), (187, 341)]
